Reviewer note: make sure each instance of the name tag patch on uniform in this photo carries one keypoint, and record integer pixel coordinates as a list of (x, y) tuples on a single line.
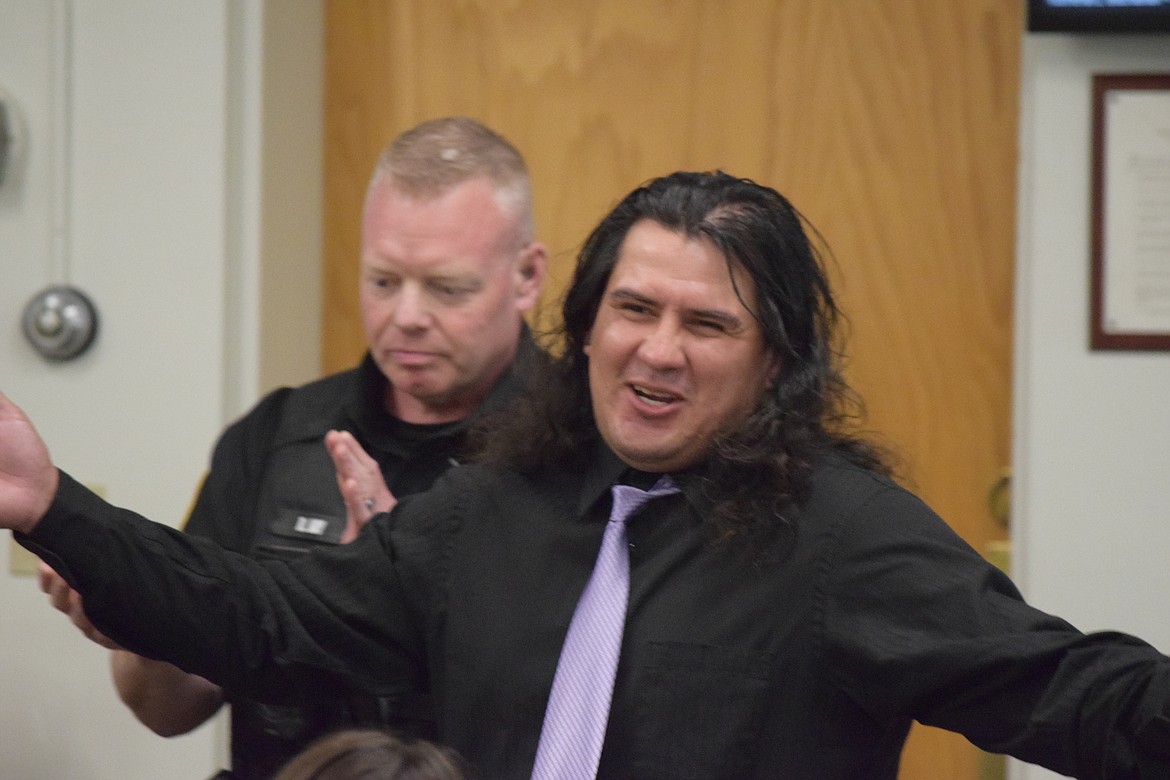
[(308, 525), (317, 526)]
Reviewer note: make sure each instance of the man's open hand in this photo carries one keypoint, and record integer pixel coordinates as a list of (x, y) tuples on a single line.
[(28, 480)]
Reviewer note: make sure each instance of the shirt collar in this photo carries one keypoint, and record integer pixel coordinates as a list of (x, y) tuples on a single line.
[(608, 470), (605, 471)]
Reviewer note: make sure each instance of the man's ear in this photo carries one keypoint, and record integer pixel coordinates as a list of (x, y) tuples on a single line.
[(531, 266), (774, 368)]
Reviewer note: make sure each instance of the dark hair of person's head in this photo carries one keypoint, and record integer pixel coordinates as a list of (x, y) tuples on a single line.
[(368, 754), (757, 471)]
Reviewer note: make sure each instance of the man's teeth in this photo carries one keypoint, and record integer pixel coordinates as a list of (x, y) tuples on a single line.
[(654, 399)]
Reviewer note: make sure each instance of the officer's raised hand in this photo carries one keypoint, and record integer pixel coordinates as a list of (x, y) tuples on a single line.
[(359, 478)]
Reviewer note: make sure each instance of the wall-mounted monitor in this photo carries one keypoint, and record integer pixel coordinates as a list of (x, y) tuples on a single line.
[(1099, 16)]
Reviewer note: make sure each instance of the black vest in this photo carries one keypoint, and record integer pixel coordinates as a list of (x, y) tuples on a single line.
[(299, 507)]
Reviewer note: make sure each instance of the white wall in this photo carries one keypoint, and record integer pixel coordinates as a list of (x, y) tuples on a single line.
[(1091, 504), (168, 165)]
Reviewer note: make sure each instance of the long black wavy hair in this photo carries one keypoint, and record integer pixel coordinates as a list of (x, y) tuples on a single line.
[(755, 473)]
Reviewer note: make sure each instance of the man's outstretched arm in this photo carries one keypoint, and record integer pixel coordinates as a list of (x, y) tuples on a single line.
[(28, 482)]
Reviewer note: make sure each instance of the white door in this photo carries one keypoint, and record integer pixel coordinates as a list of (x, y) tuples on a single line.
[(116, 183)]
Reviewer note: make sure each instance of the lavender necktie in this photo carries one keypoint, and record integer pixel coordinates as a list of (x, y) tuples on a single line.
[(578, 706)]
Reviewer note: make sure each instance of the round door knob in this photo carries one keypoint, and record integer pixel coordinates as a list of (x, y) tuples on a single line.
[(60, 322)]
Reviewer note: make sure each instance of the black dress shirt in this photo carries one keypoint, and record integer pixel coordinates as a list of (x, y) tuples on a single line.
[(812, 666)]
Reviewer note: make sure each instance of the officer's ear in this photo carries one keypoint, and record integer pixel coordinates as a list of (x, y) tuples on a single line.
[(530, 269)]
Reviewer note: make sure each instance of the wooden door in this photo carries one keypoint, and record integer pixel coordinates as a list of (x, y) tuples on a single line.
[(890, 123)]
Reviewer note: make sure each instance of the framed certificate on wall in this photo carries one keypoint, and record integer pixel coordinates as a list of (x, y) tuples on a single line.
[(1131, 212)]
